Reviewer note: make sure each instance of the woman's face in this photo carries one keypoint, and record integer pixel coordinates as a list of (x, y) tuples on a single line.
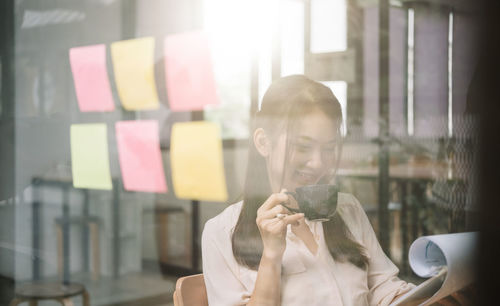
[(312, 152)]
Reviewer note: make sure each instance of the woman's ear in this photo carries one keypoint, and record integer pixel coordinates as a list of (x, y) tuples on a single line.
[(261, 141)]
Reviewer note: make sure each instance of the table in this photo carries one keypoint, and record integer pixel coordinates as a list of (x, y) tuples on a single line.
[(65, 183)]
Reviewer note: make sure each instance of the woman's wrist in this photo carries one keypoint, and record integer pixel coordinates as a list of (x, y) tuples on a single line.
[(272, 255)]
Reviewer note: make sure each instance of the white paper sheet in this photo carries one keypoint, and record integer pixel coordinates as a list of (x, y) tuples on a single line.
[(428, 256)]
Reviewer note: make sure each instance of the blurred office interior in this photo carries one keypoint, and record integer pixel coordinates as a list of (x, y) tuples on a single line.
[(405, 73)]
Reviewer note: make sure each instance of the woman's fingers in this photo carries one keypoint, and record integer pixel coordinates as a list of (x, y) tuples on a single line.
[(273, 200), (277, 224), (281, 224), (278, 209), (272, 217), (291, 219)]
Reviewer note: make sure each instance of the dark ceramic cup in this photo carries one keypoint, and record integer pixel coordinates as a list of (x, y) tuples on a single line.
[(317, 202)]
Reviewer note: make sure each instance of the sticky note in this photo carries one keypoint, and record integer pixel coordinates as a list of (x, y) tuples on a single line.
[(197, 161), (89, 156), (133, 66), (140, 156), (90, 76), (189, 73)]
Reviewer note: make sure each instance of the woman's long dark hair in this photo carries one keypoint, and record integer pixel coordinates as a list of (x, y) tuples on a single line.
[(286, 100)]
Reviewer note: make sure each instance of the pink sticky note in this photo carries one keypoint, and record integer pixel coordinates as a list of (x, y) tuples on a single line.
[(140, 156), (189, 73), (90, 76)]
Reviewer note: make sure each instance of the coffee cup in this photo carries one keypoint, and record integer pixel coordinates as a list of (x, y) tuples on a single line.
[(317, 202)]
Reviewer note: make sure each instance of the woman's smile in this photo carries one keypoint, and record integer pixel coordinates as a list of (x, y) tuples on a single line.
[(306, 178)]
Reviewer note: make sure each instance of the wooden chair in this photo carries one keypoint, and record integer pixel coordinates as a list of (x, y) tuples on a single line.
[(190, 291)]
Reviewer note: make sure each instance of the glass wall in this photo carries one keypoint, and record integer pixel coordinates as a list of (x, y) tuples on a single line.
[(126, 126)]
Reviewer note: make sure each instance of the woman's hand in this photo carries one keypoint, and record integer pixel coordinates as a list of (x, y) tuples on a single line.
[(273, 229)]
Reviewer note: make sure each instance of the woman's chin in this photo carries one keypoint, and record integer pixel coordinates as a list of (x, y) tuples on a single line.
[(307, 181), (301, 183)]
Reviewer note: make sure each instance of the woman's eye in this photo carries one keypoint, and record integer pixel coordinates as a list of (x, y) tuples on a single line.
[(302, 148)]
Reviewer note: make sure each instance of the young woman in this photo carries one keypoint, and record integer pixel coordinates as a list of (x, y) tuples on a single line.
[(256, 252)]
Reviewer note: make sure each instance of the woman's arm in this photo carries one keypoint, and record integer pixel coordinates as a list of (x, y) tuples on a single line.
[(267, 290), (383, 282), (268, 284)]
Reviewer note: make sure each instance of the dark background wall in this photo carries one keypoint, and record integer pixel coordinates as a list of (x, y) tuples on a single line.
[(6, 142)]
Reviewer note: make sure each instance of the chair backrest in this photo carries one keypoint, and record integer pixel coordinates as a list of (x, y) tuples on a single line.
[(190, 291)]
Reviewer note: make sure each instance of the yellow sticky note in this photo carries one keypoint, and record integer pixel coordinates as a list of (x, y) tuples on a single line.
[(89, 156), (197, 161), (133, 66)]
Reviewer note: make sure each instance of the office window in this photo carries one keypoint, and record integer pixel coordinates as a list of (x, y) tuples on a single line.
[(328, 26)]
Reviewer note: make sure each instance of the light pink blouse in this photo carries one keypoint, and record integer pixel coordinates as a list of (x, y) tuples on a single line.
[(307, 279)]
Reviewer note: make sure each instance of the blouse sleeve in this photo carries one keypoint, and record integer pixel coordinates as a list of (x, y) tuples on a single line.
[(383, 282), (221, 281)]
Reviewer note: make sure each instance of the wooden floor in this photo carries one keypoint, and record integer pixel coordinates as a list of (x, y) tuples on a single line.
[(160, 300)]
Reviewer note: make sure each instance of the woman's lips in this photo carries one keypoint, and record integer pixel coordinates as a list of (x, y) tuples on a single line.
[(306, 178)]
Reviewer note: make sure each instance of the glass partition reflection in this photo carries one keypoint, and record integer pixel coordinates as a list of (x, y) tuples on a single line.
[(135, 125)]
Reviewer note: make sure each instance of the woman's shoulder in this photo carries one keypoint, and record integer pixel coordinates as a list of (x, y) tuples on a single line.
[(226, 220)]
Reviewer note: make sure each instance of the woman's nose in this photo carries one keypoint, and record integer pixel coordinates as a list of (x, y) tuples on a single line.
[(315, 160)]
